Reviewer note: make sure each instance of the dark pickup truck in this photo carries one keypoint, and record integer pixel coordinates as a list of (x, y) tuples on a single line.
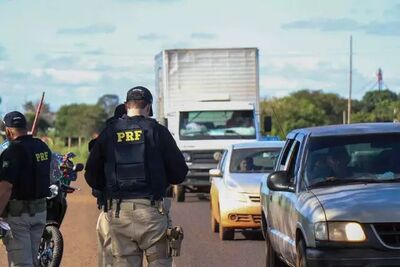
[(334, 198)]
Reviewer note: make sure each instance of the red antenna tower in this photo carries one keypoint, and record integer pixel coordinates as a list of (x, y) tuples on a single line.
[(379, 75), (379, 81)]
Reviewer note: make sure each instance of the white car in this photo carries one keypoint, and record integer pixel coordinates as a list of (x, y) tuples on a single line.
[(235, 186)]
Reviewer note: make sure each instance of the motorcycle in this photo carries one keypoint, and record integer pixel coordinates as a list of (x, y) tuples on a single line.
[(63, 173)]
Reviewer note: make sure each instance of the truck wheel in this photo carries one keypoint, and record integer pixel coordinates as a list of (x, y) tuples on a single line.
[(226, 233), (214, 224), (168, 192), (301, 260), (272, 258), (179, 193)]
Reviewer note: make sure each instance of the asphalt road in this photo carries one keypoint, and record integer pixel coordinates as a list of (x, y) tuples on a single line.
[(201, 247)]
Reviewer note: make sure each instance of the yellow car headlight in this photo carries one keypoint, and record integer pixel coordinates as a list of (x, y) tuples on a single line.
[(231, 195), (339, 231)]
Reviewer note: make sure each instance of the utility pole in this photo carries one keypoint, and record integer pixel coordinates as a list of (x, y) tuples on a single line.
[(350, 81)]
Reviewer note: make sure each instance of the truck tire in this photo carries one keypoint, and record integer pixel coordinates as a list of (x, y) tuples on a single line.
[(301, 260), (179, 193), (226, 233), (169, 192)]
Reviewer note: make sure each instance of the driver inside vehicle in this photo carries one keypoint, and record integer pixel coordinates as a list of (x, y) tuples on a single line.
[(247, 164), (338, 159), (317, 167)]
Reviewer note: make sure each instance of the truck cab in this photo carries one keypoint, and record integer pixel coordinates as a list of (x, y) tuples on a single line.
[(203, 132)]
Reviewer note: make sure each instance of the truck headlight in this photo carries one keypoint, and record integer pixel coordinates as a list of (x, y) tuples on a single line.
[(339, 231), (321, 231), (186, 156)]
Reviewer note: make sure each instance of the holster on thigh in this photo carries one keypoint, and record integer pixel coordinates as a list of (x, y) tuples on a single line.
[(158, 251)]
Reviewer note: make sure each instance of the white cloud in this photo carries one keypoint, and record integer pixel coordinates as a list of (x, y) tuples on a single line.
[(281, 78), (73, 76), (91, 29)]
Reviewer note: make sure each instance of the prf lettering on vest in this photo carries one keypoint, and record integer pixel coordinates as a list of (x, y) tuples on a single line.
[(129, 136), (42, 156)]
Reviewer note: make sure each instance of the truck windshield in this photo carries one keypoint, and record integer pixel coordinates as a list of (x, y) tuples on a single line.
[(201, 125), (352, 159), (253, 160)]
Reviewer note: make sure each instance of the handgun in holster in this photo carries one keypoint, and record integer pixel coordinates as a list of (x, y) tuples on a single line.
[(5, 233), (175, 237)]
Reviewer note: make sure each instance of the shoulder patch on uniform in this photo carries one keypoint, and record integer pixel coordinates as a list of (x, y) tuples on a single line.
[(6, 164)]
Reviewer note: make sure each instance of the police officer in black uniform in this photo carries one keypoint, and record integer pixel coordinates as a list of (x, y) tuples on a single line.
[(24, 186), (134, 160)]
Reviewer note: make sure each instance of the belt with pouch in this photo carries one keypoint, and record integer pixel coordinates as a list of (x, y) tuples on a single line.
[(136, 203), (16, 208)]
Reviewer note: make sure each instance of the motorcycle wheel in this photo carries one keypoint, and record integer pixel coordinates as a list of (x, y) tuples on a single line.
[(51, 247)]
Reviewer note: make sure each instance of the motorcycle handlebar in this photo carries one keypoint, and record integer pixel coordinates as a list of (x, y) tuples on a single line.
[(68, 189), (78, 167)]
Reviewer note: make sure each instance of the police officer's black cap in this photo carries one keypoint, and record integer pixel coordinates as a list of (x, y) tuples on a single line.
[(140, 93), (15, 119)]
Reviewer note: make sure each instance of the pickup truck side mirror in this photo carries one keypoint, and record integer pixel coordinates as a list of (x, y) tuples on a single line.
[(215, 173), (279, 181), (267, 124)]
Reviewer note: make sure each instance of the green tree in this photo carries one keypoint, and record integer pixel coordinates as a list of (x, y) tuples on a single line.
[(303, 108), (79, 120), (378, 106), (108, 103), (374, 98)]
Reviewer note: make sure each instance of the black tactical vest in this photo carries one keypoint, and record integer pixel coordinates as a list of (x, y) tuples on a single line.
[(34, 180), (131, 156)]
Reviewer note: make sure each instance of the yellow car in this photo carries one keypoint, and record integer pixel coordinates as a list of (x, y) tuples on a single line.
[(235, 186)]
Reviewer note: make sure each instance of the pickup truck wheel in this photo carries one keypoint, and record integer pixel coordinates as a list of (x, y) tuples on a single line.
[(214, 223), (179, 193), (226, 233), (301, 260), (272, 259)]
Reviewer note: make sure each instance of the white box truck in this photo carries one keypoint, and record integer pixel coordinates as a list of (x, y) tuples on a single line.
[(208, 99)]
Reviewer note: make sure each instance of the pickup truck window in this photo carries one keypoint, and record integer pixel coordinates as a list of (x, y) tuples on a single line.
[(294, 151), (224, 124), (369, 158), (286, 150)]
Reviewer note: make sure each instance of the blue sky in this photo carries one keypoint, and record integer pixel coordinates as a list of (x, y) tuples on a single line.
[(77, 51)]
